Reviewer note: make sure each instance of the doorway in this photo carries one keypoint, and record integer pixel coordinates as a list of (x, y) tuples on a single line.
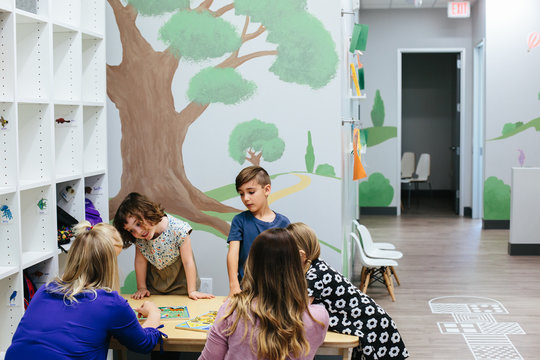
[(430, 96)]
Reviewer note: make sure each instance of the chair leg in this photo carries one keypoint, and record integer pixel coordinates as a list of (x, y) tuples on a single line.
[(393, 271), (363, 275), (365, 284), (389, 284)]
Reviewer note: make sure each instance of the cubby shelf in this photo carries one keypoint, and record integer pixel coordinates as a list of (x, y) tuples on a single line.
[(53, 135)]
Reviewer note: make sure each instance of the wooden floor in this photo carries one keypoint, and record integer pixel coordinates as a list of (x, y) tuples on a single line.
[(448, 255)]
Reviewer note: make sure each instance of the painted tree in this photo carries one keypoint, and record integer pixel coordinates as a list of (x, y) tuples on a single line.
[(377, 111), (153, 131), (310, 154), (257, 139)]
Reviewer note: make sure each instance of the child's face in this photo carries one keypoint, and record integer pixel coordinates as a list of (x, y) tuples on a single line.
[(140, 229), (253, 195)]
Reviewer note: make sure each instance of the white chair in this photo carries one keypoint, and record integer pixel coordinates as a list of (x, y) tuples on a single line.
[(372, 251), (407, 165), (378, 245), (374, 269), (421, 174)]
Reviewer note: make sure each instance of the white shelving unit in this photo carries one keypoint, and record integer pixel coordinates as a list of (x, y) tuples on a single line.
[(52, 136)]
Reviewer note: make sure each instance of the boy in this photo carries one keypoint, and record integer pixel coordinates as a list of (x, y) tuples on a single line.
[(253, 186)]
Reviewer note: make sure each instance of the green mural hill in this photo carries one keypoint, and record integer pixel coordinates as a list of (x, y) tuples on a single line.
[(531, 124), (379, 134)]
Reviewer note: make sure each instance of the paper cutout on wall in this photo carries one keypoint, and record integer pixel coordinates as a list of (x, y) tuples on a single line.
[(358, 171), (355, 80), (359, 37), (533, 40)]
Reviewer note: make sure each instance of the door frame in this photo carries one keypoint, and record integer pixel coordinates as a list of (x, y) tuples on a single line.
[(463, 109), (479, 96)]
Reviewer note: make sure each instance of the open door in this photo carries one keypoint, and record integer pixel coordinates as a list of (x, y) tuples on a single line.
[(455, 140)]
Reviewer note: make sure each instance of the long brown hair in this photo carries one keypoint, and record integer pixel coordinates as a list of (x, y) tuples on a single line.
[(142, 209), (274, 294), (92, 262)]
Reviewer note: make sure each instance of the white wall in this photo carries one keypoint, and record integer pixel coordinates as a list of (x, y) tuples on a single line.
[(390, 30), (512, 85)]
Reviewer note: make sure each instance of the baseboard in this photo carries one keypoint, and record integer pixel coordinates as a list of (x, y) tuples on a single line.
[(523, 249), (378, 210), (467, 211), (495, 224)]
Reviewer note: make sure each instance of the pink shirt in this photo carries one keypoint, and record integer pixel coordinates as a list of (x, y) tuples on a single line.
[(220, 346)]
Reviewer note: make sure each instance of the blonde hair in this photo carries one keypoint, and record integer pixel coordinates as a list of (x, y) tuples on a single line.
[(306, 240), (274, 296), (92, 262)]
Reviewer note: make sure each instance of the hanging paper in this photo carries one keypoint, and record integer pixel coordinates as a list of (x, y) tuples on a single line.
[(359, 37), (355, 80), (358, 171)]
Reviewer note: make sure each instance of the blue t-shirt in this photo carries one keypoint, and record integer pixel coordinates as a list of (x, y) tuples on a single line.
[(50, 329), (245, 227)]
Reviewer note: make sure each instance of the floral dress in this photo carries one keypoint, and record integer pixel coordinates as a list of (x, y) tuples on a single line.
[(165, 273), (354, 313)]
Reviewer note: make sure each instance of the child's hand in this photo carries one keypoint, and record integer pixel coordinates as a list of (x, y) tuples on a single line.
[(140, 293), (146, 308), (234, 290), (200, 295)]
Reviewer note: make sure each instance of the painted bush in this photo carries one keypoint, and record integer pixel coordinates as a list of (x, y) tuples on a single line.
[(375, 191), (325, 170), (496, 199)]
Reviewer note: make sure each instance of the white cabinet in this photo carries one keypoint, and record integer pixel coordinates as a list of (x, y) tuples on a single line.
[(52, 136)]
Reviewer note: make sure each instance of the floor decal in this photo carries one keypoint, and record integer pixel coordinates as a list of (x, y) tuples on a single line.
[(475, 318)]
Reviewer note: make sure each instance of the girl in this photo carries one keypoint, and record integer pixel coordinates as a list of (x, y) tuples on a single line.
[(271, 317), (351, 311), (75, 315), (164, 262)]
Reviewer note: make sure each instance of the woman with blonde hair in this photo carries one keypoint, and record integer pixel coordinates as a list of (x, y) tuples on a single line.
[(351, 311), (75, 315), (271, 317)]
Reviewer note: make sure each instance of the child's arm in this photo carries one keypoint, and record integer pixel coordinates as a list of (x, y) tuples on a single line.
[(191, 271), (232, 267), (140, 274)]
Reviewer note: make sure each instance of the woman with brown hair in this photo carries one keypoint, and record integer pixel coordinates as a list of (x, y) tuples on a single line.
[(271, 317)]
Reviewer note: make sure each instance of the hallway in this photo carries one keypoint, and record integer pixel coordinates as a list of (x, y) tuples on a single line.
[(448, 255)]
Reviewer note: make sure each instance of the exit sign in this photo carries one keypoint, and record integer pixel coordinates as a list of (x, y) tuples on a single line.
[(459, 9)]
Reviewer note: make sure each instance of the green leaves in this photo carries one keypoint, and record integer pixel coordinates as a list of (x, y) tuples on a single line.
[(224, 85), (376, 191), (158, 7), (198, 36), (256, 135)]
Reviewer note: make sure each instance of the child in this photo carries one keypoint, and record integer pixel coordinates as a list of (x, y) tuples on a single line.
[(75, 315), (351, 311), (164, 262), (253, 186), (271, 317)]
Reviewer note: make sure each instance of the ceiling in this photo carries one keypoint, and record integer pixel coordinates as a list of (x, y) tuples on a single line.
[(404, 4)]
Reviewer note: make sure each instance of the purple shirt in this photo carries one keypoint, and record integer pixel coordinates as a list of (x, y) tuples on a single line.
[(236, 346)]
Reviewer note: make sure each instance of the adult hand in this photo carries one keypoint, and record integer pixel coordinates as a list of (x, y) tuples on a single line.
[(140, 293), (200, 295)]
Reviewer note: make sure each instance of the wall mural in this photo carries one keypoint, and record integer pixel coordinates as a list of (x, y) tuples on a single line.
[(379, 133), (496, 199), (375, 191), (153, 131), (511, 129)]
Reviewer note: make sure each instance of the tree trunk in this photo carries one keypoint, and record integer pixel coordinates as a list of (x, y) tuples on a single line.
[(254, 158), (152, 131)]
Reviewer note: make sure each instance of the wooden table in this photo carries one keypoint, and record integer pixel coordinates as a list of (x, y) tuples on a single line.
[(193, 341)]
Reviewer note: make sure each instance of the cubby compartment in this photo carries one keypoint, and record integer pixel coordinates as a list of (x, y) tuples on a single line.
[(38, 225), (36, 7), (70, 197), (95, 139), (8, 148), (66, 64), (35, 133), (96, 191), (11, 307), (93, 69), (7, 59), (9, 233), (68, 139), (66, 12), (33, 52), (43, 271), (93, 16)]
